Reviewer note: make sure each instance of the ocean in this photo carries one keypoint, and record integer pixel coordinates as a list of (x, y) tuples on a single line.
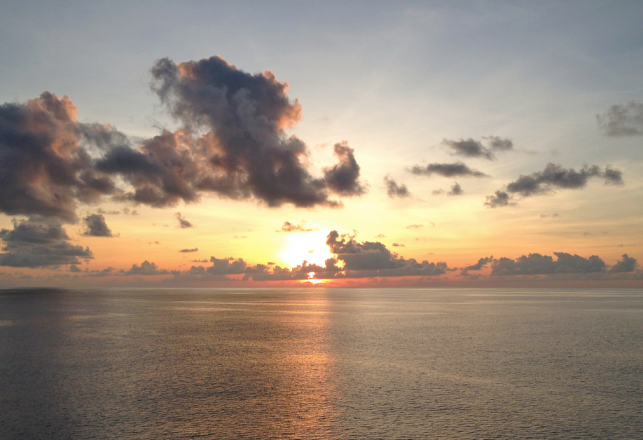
[(311, 363)]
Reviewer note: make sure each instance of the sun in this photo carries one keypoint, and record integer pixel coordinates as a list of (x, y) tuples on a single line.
[(306, 246)]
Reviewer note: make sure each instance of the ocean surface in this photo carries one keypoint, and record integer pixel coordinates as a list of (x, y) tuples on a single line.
[(321, 363)]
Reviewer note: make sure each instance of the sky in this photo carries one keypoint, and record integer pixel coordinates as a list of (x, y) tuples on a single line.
[(474, 143)]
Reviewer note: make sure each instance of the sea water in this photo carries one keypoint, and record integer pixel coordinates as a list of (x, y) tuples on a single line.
[(321, 363)]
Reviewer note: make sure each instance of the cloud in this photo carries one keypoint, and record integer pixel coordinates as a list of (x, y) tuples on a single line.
[(96, 226), (38, 242), (398, 245), (343, 178), (74, 268), (369, 259), (414, 226), (380, 236), (551, 178), (499, 144), (189, 250), (393, 189), (291, 227), (102, 211), (246, 152), (499, 199), (627, 264), (456, 190), (146, 268), (231, 142), (622, 120), (447, 170), (43, 170), (536, 264), (126, 211), (183, 223), (472, 148), (482, 262)]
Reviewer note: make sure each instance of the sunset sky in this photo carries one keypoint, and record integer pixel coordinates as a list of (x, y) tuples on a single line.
[(399, 143)]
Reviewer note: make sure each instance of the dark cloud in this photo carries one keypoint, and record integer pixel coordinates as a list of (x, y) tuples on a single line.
[(245, 150), (447, 170), (95, 226), (39, 242), (456, 190), (499, 144), (536, 264), (468, 148), (622, 120), (291, 227), (189, 250), (551, 178), (414, 226), (146, 268), (183, 223), (232, 142), (43, 170), (472, 148), (102, 211), (343, 178), (74, 268), (627, 264), (482, 262), (393, 189), (370, 259), (499, 199)]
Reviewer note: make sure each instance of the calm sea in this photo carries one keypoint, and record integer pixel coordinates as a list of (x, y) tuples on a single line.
[(321, 363)]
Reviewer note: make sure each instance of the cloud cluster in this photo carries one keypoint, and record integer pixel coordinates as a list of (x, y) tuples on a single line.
[(627, 264), (146, 268), (95, 226), (553, 177), (536, 264), (473, 148), (622, 120), (232, 142), (37, 242), (393, 189), (447, 170)]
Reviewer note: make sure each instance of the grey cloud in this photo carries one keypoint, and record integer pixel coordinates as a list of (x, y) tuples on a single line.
[(622, 120), (468, 148), (102, 211), (499, 199), (374, 259), (398, 245), (291, 227), (245, 150), (146, 268), (393, 189), (627, 264), (343, 178), (551, 178), (183, 223), (456, 190), (499, 144), (43, 170), (39, 242), (482, 262), (447, 170), (74, 268), (200, 261), (232, 142), (189, 250), (536, 264), (96, 226)]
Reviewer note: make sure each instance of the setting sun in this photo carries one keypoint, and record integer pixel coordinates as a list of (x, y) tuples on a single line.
[(310, 246)]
